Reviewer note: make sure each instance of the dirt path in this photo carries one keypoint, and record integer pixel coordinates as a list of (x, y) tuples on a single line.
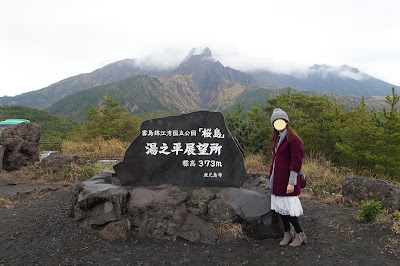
[(39, 231)]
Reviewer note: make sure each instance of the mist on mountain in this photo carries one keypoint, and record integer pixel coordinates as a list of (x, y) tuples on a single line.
[(201, 82)]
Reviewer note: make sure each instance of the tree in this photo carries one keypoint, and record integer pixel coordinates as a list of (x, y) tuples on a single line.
[(358, 136), (111, 122), (247, 128), (388, 141), (310, 117)]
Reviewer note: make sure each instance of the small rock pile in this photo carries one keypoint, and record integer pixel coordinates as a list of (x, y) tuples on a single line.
[(170, 212)]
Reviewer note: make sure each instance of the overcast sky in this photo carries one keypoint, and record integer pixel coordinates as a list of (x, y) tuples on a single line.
[(42, 42)]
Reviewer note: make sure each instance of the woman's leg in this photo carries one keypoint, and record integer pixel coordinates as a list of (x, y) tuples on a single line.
[(285, 221), (287, 236), (294, 221), (300, 236)]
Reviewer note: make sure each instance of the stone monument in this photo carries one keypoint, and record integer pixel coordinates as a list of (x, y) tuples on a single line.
[(194, 149), (182, 177)]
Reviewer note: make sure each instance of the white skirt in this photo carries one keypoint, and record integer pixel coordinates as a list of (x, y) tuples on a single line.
[(288, 205)]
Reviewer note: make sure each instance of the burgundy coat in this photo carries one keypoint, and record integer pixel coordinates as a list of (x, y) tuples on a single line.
[(288, 157)]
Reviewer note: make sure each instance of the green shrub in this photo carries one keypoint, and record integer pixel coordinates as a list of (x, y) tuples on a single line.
[(368, 211)]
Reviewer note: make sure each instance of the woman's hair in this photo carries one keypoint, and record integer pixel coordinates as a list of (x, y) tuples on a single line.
[(289, 135)]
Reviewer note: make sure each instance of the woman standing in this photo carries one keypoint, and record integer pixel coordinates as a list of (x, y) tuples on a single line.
[(284, 177)]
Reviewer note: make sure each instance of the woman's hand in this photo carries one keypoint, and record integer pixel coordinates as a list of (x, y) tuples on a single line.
[(289, 189)]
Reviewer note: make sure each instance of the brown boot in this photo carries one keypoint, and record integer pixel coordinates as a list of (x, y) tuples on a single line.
[(286, 239), (299, 239)]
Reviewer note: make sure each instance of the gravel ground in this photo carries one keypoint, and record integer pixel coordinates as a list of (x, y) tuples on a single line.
[(39, 232)]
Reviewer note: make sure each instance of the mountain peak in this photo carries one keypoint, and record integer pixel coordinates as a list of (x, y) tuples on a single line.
[(343, 72), (317, 67), (349, 68), (199, 53), (203, 51)]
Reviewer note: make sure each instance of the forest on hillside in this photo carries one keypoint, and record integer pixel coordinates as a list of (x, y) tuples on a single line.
[(360, 139), (52, 127)]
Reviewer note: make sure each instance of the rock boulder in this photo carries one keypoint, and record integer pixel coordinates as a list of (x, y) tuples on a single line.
[(97, 203), (197, 230), (116, 230), (198, 202), (61, 162), (254, 212), (19, 145), (364, 188), (154, 210)]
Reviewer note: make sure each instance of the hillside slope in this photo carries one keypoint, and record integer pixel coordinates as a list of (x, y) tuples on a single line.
[(52, 127), (43, 98), (139, 95)]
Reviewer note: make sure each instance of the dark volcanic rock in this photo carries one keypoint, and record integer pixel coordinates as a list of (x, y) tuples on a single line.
[(267, 226), (2, 149), (221, 212), (364, 188), (251, 205), (108, 176), (116, 230), (156, 211), (199, 200), (61, 162), (253, 210), (151, 196), (20, 143), (168, 212), (192, 150), (97, 202), (196, 230)]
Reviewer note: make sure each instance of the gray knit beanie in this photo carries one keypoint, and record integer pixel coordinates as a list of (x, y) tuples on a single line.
[(278, 114)]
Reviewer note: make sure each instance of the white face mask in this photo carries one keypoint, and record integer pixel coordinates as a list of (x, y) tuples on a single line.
[(280, 124)]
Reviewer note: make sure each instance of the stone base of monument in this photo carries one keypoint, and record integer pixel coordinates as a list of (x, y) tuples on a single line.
[(198, 215)]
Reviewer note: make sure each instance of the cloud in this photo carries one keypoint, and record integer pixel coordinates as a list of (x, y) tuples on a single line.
[(248, 62), (352, 73), (51, 40), (162, 58)]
